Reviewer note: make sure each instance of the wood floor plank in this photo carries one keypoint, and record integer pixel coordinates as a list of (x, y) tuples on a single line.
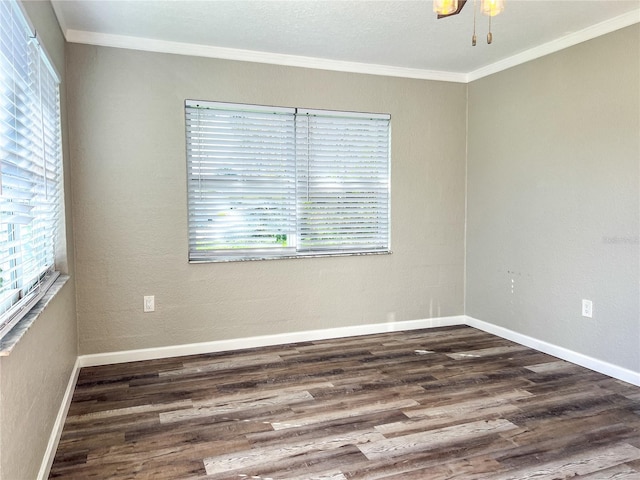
[(221, 408), (416, 463), (618, 472), (481, 466), (314, 464), (587, 462), (138, 409), (483, 406), (397, 446), (344, 411), (250, 458), (364, 422), (450, 403), (486, 352)]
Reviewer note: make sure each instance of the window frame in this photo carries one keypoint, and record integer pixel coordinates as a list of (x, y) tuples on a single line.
[(293, 247), (33, 151)]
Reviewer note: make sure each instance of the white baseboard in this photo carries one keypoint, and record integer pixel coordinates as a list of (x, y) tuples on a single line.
[(601, 366), (264, 341), (56, 431), (591, 363)]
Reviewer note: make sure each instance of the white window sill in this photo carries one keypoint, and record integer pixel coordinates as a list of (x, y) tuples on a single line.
[(11, 339)]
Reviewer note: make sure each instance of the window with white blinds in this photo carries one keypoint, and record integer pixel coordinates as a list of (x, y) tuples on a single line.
[(30, 167), (270, 182)]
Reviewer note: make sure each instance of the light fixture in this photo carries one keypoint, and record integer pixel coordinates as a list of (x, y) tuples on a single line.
[(491, 8), (445, 7)]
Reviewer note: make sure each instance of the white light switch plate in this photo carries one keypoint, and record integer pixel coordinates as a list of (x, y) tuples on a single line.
[(149, 303)]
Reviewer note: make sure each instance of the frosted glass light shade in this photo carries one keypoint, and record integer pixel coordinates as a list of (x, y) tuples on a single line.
[(491, 7), (445, 7)]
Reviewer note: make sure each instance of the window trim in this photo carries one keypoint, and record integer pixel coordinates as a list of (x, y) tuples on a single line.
[(291, 251), (31, 293)]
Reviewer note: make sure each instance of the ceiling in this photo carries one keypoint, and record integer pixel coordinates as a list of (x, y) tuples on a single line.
[(387, 37)]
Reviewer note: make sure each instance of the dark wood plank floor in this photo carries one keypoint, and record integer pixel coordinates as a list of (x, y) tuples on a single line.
[(445, 403)]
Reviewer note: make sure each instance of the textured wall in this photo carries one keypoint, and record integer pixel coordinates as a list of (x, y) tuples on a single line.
[(129, 188), (34, 377), (553, 198), (33, 382)]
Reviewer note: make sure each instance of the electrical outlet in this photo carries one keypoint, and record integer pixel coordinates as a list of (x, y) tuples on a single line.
[(149, 303), (587, 308)]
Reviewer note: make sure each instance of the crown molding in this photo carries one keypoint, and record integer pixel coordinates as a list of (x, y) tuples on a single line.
[(179, 48), (570, 40), (62, 21)]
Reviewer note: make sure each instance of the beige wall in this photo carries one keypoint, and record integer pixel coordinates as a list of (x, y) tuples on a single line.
[(129, 191), (33, 382), (553, 198), (552, 218), (34, 377)]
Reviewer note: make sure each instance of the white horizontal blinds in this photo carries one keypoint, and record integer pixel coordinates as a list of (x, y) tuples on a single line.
[(343, 182), (241, 174), (15, 181), (30, 164), (40, 257)]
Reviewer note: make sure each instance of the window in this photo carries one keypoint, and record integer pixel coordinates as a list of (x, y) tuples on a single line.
[(269, 182), (30, 167)]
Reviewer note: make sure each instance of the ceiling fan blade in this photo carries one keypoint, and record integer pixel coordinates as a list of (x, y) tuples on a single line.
[(460, 5)]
